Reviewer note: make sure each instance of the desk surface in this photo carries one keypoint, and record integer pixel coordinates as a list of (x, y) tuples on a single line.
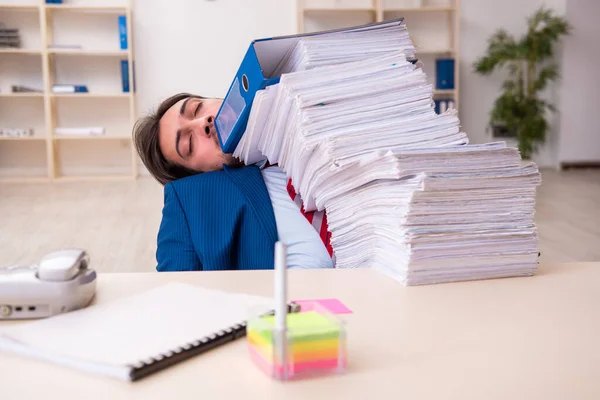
[(519, 338)]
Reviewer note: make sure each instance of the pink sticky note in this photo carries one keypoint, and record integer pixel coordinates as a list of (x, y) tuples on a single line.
[(334, 306)]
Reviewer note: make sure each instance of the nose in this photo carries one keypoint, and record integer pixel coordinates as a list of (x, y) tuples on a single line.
[(209, 124), (204, 125)]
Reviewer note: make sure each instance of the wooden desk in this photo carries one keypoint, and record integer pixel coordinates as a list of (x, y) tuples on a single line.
[(521, 338)]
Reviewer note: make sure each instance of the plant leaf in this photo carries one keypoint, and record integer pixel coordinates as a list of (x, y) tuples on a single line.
[(547, 74), (501, 49)]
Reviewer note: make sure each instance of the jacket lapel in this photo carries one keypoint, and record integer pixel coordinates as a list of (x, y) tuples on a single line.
[(250, 182)]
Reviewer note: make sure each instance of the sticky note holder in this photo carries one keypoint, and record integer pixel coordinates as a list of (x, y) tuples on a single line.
[(315, 345)]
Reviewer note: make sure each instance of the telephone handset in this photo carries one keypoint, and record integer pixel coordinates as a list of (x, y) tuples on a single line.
[(61, 282)]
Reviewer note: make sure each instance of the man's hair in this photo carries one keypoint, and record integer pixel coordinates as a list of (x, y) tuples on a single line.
[(145, 138)]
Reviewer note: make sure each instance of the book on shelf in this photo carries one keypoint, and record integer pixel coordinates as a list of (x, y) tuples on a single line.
[(126, 82), (80, 131), (24, 89), (16, 132), (56, 46), (444, 73), (69, 88), (443, 104), (122, 19), (404, 190), (9, 37)]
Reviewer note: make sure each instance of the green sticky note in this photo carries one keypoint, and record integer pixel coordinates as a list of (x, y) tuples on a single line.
[(305, 326)]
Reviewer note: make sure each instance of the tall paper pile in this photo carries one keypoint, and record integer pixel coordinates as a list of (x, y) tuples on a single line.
[(352, 122)]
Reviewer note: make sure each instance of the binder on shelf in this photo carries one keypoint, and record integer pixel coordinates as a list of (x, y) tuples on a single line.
[(123, 31), (444, 73), (259, 69), (68, 88), (126, 82), (53, 1), (442, 105)]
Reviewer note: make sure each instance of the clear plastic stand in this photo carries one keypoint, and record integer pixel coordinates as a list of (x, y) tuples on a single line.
[(314, 344)]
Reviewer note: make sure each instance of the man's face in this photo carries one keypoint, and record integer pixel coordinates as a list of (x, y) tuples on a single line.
[(188, 136)]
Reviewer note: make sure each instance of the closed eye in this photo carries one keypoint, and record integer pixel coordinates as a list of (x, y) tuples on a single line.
[(190, 149), (197, 109)]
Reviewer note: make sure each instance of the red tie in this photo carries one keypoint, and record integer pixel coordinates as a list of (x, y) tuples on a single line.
[(318, 219)]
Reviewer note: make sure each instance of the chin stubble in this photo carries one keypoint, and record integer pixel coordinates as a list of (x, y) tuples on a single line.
[(228, 159)]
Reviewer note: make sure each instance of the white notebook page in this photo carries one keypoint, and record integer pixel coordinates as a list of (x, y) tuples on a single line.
[(138, 327)]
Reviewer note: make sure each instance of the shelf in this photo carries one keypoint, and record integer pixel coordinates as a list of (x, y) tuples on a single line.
[(92, 95), (23, 94), (419, 9), (94, 178), (23, 138), (96, 9), (24, 179), (433, 51), (74, 42), (440, 92), (84, 52), (18, 7), (346, 9), (91, 137), (69, 95), (402, 9), (20, 51)]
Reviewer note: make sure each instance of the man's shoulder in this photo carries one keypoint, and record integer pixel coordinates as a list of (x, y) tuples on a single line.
[(218, 178), (199, 179)]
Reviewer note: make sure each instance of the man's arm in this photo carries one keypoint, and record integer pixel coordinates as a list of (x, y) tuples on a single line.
[(175, 250)]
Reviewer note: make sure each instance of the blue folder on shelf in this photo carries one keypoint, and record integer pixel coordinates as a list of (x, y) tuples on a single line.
[(255, 73)]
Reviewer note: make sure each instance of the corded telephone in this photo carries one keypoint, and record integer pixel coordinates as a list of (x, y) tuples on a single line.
[(61, 282)]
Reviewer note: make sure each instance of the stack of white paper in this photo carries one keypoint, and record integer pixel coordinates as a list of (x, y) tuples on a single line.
[(352, 122)]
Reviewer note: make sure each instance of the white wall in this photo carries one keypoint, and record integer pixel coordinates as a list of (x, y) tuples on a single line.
[(580, 126), (197, 45), (193, 45), (477, 94)]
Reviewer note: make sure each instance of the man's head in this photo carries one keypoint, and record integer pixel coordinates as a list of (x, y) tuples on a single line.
[(179, 139)]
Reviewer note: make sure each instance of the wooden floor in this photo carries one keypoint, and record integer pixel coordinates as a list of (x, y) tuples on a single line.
[(117, 221)]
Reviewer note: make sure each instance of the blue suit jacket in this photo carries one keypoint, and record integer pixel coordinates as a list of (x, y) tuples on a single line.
[(220, 220)]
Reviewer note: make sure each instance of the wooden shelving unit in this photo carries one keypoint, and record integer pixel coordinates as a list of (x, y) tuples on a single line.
[(26, 138), (87, 9), (439, 39), (21, 51), (40, 64)]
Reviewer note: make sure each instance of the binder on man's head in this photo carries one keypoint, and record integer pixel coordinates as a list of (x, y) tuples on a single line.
[(260, 68)]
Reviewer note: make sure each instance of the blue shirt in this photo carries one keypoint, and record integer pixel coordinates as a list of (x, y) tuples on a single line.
[(304, 245)]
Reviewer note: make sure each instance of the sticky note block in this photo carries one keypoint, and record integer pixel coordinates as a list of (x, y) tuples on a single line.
[(333, 306), (314, 343)]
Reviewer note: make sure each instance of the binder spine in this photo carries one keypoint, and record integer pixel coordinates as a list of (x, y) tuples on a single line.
[(445, 73), (123, 31), (125, 82)]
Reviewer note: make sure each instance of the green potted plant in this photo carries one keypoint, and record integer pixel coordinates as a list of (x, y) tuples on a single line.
[(531, 66)]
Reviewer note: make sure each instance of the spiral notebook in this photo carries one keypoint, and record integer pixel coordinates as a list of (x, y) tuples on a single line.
[(135, 336)]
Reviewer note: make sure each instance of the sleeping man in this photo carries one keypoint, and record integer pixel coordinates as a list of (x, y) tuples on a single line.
[(218, 213)]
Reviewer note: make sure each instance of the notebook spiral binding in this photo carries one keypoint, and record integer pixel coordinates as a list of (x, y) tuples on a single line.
[(147, 367)]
